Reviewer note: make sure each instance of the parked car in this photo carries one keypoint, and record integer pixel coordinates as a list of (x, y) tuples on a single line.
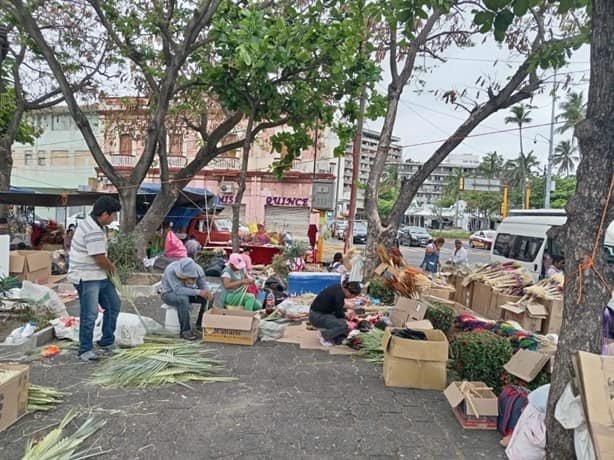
[(413, 236), (339, 229), (482, 239), (359, 230)]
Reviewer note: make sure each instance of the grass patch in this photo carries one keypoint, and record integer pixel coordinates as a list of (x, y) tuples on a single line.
[(450, 234)]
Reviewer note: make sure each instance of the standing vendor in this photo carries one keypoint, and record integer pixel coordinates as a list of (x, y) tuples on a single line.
[(89, 272), (327, 312)]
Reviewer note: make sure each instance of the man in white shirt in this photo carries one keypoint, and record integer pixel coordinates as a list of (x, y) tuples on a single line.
[(89, 271), (459, 256)]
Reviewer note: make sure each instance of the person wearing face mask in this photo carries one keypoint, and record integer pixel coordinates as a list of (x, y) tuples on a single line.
[(235, 283)]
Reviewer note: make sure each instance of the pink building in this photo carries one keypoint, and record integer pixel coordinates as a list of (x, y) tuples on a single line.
[(281, 204)]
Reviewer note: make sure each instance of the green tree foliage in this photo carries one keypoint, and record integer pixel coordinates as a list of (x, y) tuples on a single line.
[(573, 112), (491, 166), (564, 158)]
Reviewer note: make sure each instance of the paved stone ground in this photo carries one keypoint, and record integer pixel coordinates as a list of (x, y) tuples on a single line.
[(288, 403)]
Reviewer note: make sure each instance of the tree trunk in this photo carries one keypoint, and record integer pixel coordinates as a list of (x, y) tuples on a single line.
[(236, 206), (586, 296), (6, 165), (127, 199)]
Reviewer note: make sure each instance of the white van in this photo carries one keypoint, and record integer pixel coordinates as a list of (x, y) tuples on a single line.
[(521, 237)]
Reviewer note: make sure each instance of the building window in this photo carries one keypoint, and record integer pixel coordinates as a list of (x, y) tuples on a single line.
[(125, 144), (42, 160), (176, 145), (28, 160)]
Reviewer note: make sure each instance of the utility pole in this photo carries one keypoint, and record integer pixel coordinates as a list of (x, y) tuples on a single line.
[(550, 147)]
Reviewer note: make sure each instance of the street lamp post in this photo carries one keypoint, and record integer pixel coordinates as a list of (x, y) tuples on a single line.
[(550, 147)]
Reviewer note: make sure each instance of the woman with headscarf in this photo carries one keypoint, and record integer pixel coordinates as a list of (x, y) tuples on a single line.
[(235, 282)]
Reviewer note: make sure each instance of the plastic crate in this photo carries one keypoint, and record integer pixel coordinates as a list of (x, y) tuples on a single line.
[(302, 282)]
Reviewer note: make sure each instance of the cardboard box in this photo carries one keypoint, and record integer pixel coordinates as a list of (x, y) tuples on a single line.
[(424, 324), (526, 364), (596, 380), (416, 363), (381, 269), (474, 404), (230, 326), (14, 384), (552, 324), (446, 293), (530, 318), (407, 310), (460, 290), (480, 298), (33, 266)]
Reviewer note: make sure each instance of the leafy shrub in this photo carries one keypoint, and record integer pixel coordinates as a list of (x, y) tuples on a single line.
[(122, 252), (379, 290), (480, 356), (542, 379), (440, 316)]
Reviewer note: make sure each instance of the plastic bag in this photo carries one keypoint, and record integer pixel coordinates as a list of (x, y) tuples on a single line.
[(67, 327), (130, 331), (528, 441), (570, 415), (20, 334), (42, 295), (173, 247), (292, 308), (270, 330)]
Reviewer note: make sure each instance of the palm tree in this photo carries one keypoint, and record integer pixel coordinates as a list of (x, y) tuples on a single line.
[(520, 170), (564, 157), (491, 166), (520, 116), (574, 111)]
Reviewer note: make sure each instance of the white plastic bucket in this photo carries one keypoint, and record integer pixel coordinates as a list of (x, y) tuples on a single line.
[(171, 320)]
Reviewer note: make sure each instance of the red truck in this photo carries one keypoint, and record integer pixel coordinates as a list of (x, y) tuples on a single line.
[(211, 230), (216, 231)]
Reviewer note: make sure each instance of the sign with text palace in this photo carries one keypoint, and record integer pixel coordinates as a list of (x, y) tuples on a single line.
[(287, 201)]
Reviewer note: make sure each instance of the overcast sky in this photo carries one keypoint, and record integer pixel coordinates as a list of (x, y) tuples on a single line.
[(424, 118)]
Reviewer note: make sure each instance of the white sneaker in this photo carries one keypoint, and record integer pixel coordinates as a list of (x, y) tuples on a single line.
[(325, 343)]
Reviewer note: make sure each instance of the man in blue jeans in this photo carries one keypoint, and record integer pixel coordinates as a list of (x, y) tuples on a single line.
[(183, 283), (89, 271)]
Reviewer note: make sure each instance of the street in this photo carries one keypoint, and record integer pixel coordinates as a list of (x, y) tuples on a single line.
[(413, 255)]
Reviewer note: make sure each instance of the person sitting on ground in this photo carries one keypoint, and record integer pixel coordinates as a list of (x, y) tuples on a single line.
[(327, 311), (558, 263), (235, 282), (183, 283), (459, 256), (430, 263), (261, 236), (192, 246), (337, 265)]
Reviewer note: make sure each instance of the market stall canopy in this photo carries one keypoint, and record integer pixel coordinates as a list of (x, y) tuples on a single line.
[(28, 197), (190, 197)]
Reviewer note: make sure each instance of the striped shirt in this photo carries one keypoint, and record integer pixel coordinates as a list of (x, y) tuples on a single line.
[(89, 240)]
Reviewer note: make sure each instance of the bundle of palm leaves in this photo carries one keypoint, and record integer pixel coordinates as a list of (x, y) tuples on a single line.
[(371, 349), (43, 398), (54, 446), (159, 362)]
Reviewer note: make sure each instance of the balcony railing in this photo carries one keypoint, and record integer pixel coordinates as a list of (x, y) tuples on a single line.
[(224, 163), (177, 162), (123, 160)]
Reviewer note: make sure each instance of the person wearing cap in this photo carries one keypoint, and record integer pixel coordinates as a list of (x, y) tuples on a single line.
[(235, 281), (183, 283), (327, 311), (244, 253), (89, 272)]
